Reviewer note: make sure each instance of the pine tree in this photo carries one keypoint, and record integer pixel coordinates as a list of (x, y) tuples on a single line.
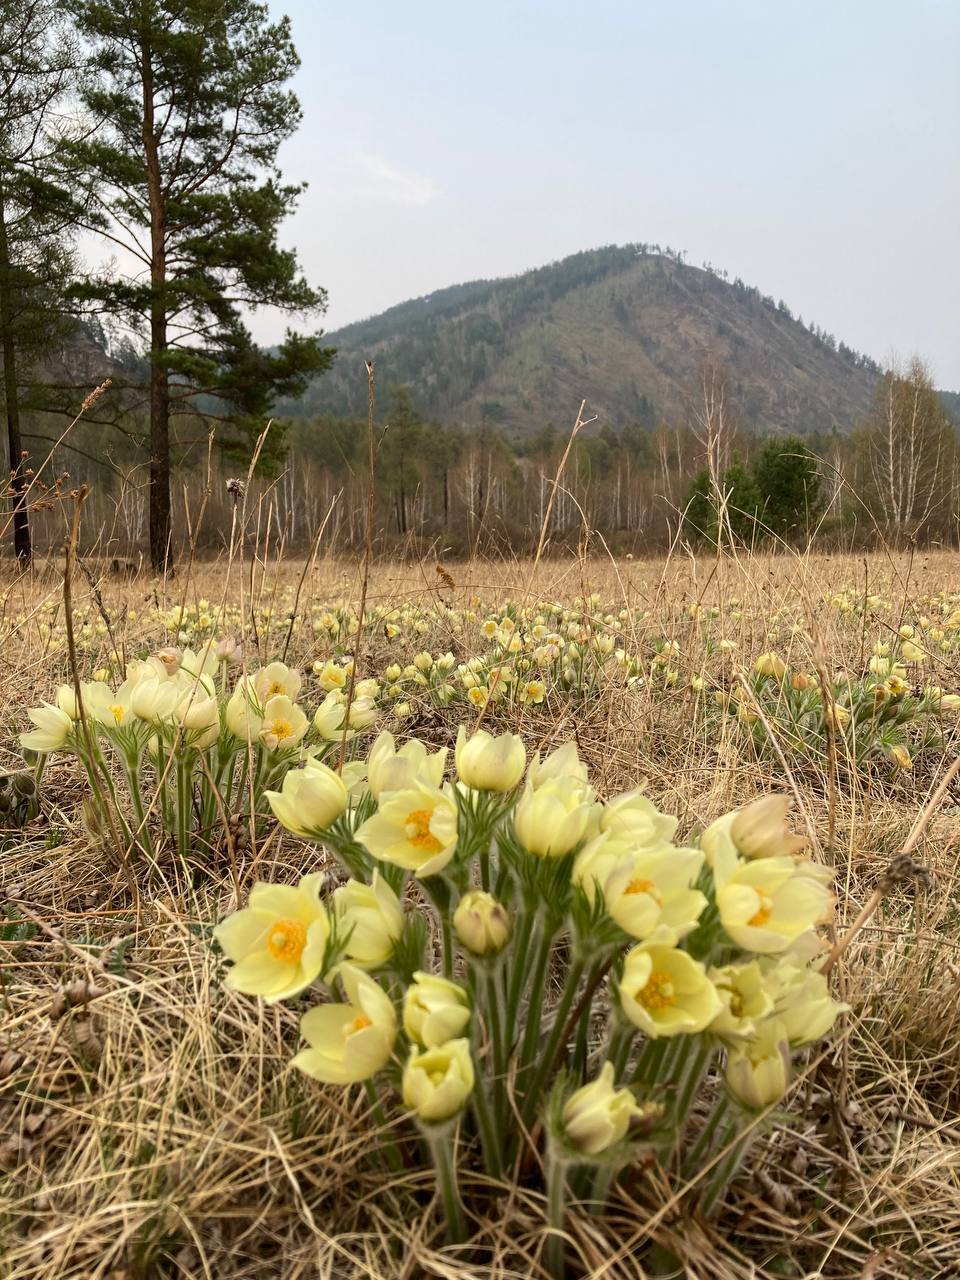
[(789, 483), (191, 102), (36, 215)]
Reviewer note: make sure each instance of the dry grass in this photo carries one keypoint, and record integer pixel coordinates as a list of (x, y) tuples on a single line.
[(153, 1127)]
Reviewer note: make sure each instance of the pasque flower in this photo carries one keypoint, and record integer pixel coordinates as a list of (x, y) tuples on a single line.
[(758, 1073), (649, 893), (370, 918), (309, 800), (434, 1009), (598, 1115), (352, 1041), (766, 905), (390, 768), (552, 818), (278, 941), (801, 1000), (745, 1000), (283, 724), (415, 828), (489, 763), (481, 922), (665, 992), (52, 729), (635, 817), (438, 1081), (564, 762), (758, 830)]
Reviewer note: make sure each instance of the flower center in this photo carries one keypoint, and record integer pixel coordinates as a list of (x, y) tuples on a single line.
[(418, 833), (644, 886), (359, 1023), (764, 912), (275, 688), (117, 712), (286, 940), (281, 729), (658, 993)]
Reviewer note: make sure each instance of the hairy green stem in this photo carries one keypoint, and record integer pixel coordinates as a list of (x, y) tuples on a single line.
[(441, 1149), (376, 1108), (556, 1209), (553, 1045)]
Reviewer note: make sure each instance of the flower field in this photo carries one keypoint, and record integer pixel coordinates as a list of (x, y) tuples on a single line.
[(588, 918)]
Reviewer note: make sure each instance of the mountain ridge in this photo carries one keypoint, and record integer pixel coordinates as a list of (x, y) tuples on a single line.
[(625, 327)]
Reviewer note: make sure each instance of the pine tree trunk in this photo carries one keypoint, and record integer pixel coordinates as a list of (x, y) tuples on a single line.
[(21, 518), (161, 551)]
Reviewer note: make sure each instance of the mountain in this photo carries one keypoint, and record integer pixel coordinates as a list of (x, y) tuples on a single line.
[(627, 328)]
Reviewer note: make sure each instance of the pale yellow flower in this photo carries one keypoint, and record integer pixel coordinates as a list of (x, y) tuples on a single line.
[(309, 800), (745, 1000), (278, 941), (275, 680), (665, 992), (415, 828), (633, 815), (199, 714), (370, 918), (53, 729), (284, 724), (482, 923), (758, 1072), (650, 895), (801, 998), (770, 664), (434, 1009), (390, 768), (330, 676), (551, 819), (767, 904), (438, 1081), (758, 830), (598, 1115), (488, 763), (349, 1042), (564, 762)]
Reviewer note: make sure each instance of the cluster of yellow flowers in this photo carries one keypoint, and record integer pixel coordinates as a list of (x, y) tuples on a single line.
[(179, 726), (708, 947)]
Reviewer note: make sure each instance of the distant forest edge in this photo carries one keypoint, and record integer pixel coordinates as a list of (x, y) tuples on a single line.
[(715, 416)]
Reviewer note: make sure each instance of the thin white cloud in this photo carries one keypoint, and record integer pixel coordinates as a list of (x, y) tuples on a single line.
[(390, 184)]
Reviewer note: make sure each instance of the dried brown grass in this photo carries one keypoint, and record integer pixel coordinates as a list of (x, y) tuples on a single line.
[(153, 1128)]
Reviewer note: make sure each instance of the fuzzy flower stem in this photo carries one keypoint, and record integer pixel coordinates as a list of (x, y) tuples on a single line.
[(719, 1118), (440, 1141), (496, 1039), (720, 1176), (519, 951), (554, 1043), (694, 1058), (531, 1030), (376, 1109), (132, 775), (556, 1208)]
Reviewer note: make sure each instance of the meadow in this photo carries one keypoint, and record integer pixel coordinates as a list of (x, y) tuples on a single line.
[(152, 1124)]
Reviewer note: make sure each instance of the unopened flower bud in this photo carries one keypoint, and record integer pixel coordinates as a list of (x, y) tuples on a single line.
[(170, 658), (481, 922)]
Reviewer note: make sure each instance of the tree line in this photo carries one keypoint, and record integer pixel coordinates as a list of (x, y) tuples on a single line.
[(713, 480)]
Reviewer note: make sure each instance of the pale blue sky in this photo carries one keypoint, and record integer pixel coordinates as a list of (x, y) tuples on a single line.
[(811, 148)]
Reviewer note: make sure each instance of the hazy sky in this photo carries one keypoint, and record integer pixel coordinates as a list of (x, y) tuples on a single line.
[(812, 148)]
